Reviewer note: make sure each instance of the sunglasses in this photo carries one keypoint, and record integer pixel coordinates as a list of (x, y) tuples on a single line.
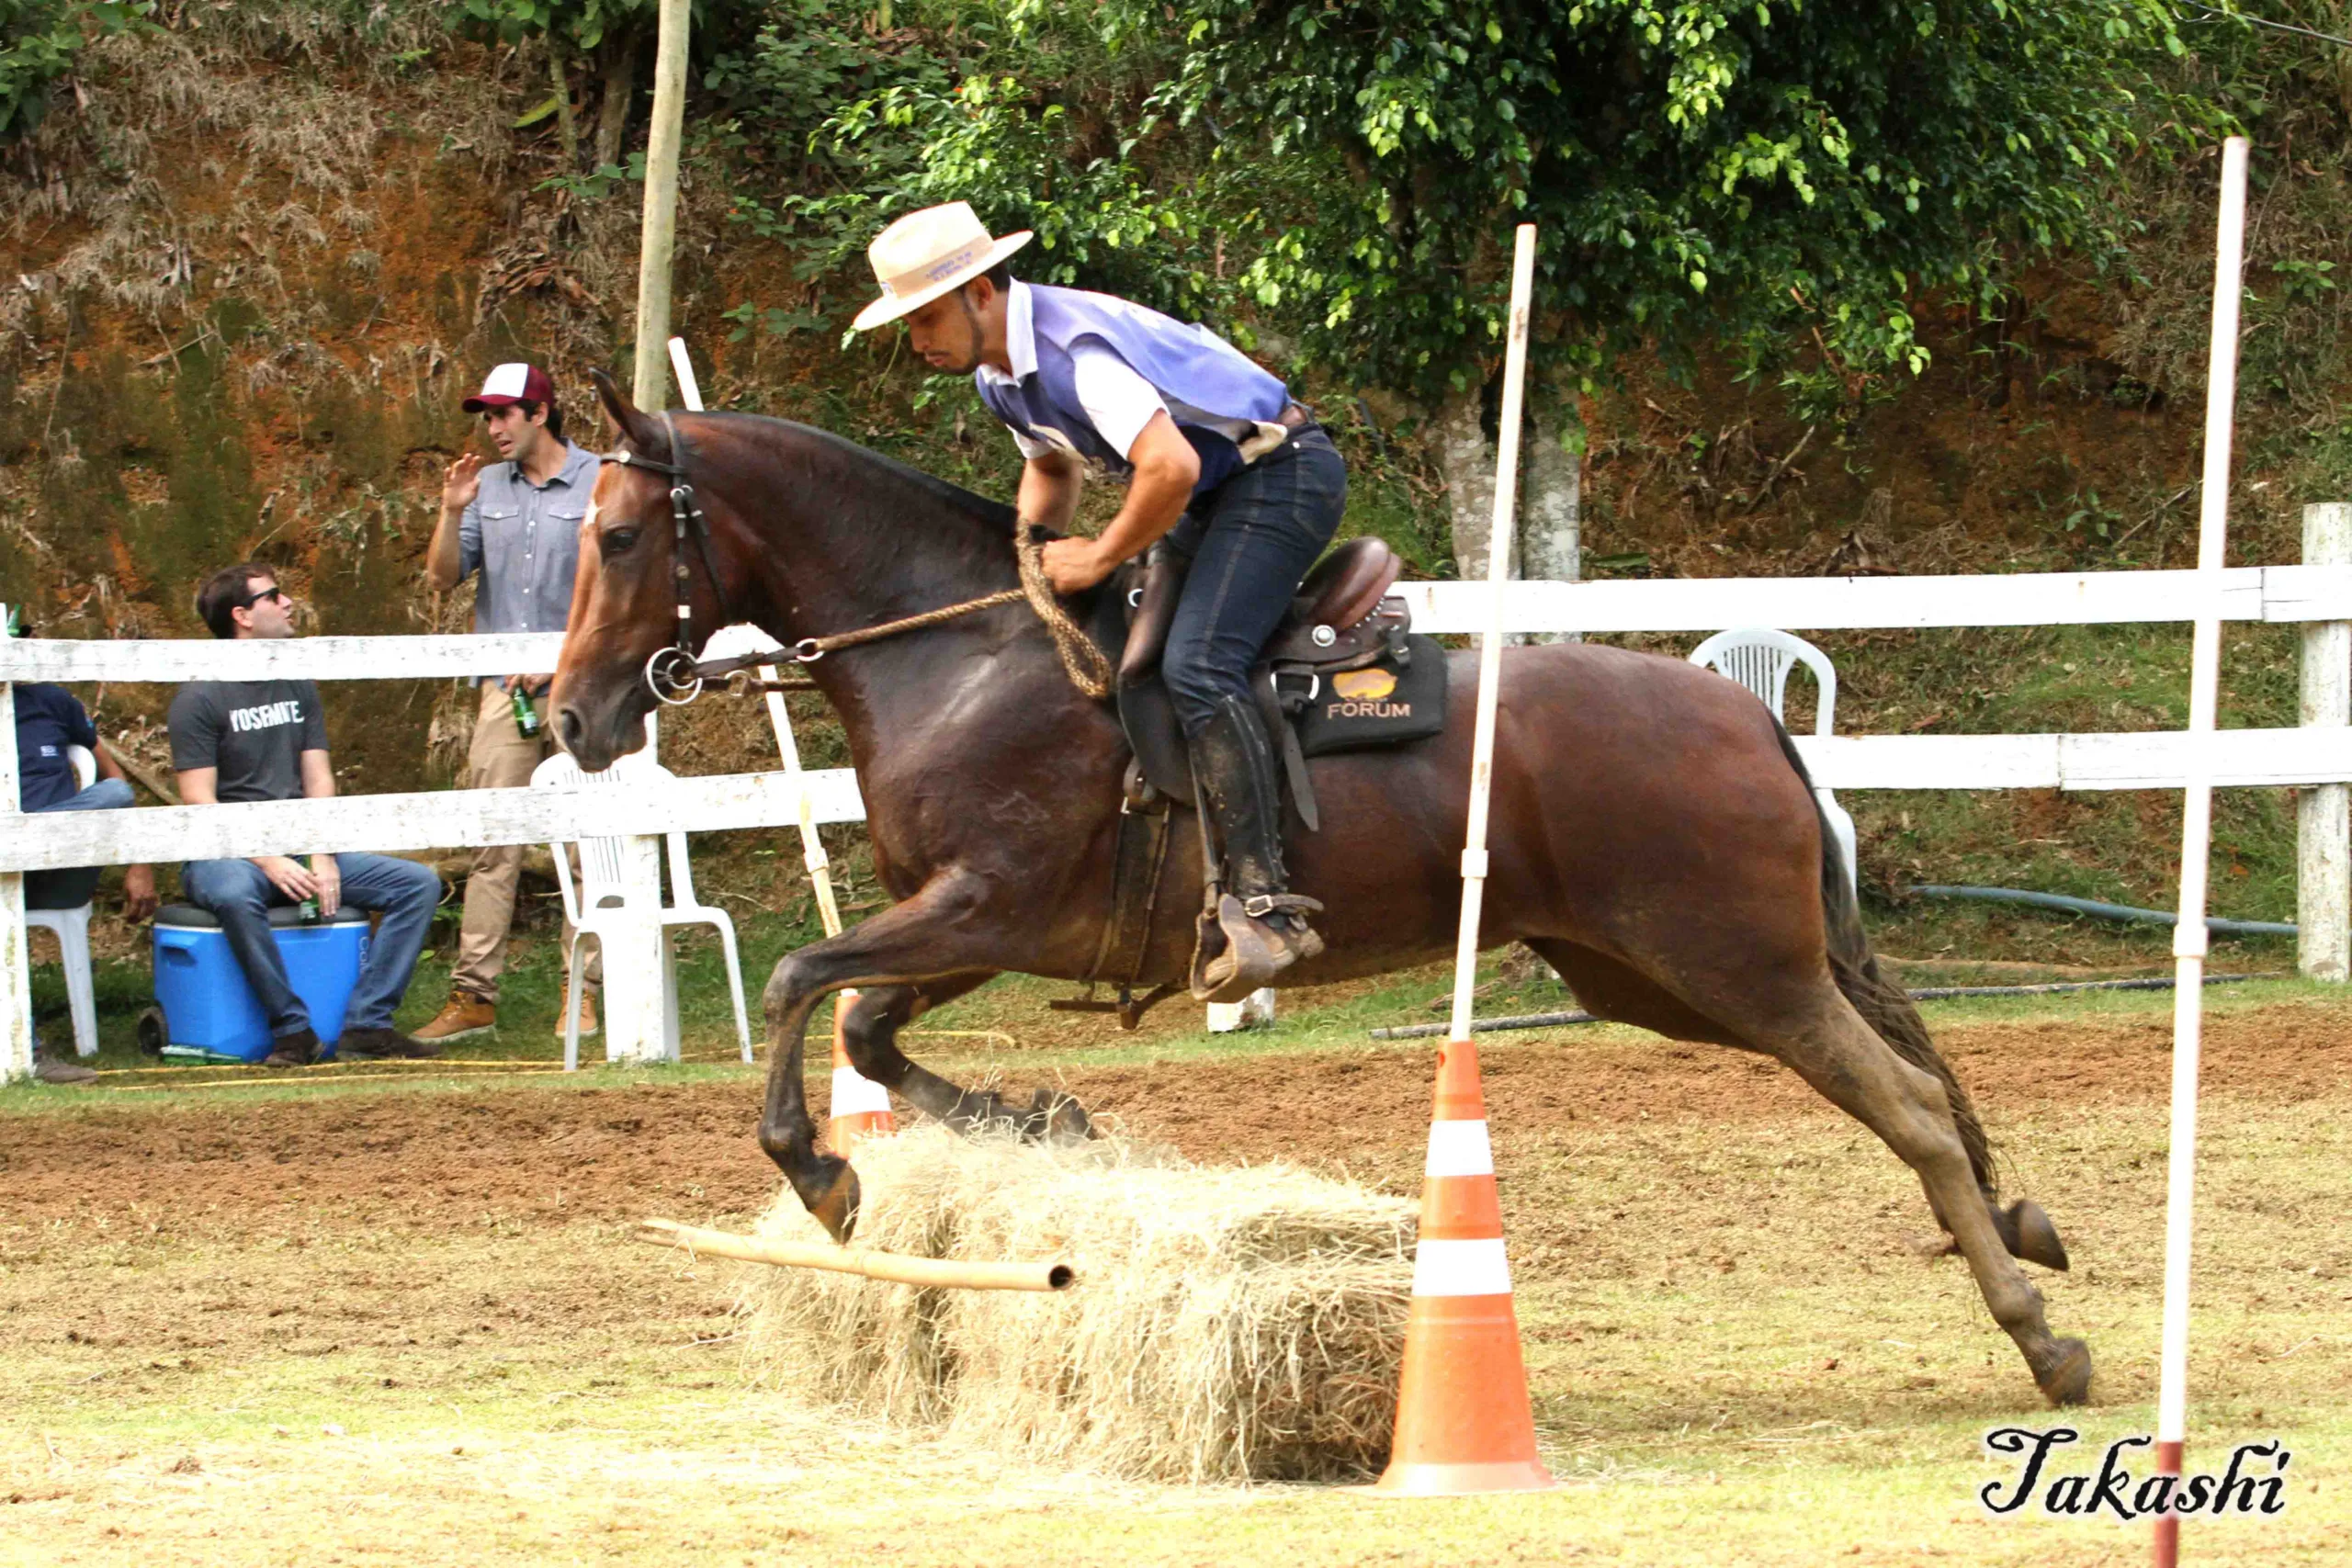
[(272, 591)]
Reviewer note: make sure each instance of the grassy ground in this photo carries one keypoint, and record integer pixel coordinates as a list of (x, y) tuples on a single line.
[(1734, 1355)]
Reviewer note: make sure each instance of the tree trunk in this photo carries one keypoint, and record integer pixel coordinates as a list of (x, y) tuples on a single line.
[(561, 76), (1551, 511), (620, 87), (1467, 459)]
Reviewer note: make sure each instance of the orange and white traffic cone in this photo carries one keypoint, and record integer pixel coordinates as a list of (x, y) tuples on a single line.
[(1463, 1423), (861, 1107)]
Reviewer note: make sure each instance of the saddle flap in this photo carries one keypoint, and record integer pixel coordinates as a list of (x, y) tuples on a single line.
[(1154, 609)]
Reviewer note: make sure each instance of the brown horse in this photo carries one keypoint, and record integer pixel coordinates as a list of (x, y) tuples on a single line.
[(1654, 837)]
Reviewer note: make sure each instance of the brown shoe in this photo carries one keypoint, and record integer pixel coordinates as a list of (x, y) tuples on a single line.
[(381, 1044), (587, 1015), (464, 1013)]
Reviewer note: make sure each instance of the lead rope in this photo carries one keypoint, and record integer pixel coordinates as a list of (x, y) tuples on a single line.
[(1082, 660)]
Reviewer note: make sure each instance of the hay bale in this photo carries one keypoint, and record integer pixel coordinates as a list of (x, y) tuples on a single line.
[(1228, 1324)]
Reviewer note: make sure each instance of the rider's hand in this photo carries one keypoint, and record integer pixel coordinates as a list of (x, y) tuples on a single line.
[(532, 685), (460, 483), (1074, 565), (327, 871), (289, 875)]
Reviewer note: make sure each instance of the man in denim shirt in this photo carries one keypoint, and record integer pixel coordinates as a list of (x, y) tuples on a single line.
[(517, 522)]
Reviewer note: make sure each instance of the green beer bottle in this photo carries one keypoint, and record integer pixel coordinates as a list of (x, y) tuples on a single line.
[(526, 717)]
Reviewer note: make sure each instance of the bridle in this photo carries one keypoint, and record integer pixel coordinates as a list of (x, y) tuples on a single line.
[(671, 673), (674, 677)]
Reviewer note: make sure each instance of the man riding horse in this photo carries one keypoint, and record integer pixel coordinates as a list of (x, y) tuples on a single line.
[(1219, 461)]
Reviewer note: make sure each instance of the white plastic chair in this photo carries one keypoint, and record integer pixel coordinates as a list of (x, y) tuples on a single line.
[(600, 903), (1760, 660), (72, 929)]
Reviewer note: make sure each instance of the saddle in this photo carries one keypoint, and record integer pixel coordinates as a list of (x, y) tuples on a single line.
[(1342, 619), (1346, 641)]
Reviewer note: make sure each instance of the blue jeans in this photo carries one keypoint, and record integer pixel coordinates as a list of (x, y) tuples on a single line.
[(72, 889), (1250, 540), (240, 897)]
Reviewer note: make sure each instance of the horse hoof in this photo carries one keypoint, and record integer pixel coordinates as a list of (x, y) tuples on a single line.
[(1057, 1118), (2028, 1234), (836, 1207), (2067, 1380)]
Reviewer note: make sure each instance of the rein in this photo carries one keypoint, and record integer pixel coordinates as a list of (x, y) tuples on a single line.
[(674, 677)]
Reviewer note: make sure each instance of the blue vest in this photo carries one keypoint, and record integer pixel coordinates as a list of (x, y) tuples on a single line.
[(1187, 364)]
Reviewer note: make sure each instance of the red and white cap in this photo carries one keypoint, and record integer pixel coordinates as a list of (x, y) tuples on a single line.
[(512, 383)]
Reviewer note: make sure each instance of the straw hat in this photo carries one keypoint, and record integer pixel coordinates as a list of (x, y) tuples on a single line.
[(925, 253)]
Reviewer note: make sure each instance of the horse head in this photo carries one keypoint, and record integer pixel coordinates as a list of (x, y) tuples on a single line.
[(625, 600)]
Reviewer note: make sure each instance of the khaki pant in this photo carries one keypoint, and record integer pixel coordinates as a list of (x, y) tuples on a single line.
[(502, 757)]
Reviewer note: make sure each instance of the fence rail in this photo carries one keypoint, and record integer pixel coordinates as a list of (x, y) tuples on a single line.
[(2318, 754), (2272, 593)]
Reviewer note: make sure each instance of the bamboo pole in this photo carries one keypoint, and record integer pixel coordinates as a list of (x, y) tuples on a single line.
[(661, 231), (2189, 942), (1490, 645), (948, 1272)]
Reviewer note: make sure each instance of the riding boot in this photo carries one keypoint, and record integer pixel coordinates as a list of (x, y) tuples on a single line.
[(1264, 923)]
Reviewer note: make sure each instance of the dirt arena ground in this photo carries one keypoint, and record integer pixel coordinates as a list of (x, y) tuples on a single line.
[(403, 1324)]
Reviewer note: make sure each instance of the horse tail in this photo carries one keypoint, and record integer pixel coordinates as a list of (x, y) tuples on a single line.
[(1883, 1005)]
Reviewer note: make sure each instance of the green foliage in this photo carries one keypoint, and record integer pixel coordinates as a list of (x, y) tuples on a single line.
[(1039, 129), (39, 40), (1751, 174), (584, 24)]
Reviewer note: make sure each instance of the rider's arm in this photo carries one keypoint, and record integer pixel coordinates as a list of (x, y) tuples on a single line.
[(1050, 482), (1166, 471)]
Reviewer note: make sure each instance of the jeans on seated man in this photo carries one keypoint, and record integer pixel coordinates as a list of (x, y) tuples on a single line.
[(255, 740), (240, 894), (50, 721)]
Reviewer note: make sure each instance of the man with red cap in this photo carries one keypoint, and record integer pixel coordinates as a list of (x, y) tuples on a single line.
[(517, 522)]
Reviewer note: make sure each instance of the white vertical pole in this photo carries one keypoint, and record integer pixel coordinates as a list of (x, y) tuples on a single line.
[(2196, 832), (1490, 645), (16, 953), (2323, 825), (812, 845)]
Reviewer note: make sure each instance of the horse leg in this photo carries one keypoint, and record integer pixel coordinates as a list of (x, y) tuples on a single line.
[(940, 931), (870, 1035), (1839, 1055), (1615, 990)]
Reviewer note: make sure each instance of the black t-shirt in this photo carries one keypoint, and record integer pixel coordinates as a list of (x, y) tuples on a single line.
[(254, 732), (49, 719)]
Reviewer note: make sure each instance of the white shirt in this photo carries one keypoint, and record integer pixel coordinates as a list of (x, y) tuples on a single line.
[(1117, 401)]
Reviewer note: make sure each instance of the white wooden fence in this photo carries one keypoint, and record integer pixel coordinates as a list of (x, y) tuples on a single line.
[(2320, 753)]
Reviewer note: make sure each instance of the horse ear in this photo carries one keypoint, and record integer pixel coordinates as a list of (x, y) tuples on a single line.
[(642, 431)]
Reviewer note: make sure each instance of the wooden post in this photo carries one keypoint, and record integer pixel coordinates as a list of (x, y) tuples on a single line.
[(661, 231), (16, 953), (2323, 826)]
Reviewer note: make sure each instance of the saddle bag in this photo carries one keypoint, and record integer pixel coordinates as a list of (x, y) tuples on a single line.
[(1398, 695)]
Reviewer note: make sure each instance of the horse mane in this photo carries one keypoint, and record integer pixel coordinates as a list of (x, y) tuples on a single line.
[(955, 498)]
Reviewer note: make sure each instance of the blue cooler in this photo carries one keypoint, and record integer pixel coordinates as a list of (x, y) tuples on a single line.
[(211, 1014)]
